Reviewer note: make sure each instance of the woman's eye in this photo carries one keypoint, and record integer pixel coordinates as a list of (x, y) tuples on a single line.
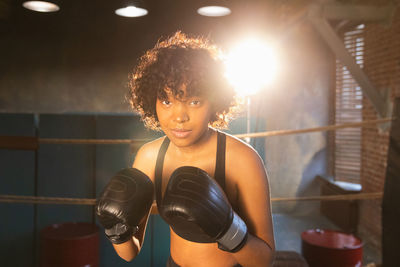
[(166, 102), (195, 102)]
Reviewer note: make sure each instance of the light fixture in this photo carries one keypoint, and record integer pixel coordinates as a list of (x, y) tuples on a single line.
[(214, 11), (41, 6), (215, 8), (131, 12), (131, 9)]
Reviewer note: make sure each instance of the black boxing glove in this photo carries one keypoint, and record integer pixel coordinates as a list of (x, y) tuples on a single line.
[(197, 210), (124, 202)]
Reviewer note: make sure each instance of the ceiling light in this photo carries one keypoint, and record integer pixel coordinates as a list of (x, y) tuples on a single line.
[(41, 6), (131, 11), (214, 11)]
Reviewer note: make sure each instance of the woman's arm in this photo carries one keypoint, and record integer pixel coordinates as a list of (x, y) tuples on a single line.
[(246, 169), (144, 162), (130, 249)]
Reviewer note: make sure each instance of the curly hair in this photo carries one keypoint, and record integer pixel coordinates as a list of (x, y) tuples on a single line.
[(179, 60)]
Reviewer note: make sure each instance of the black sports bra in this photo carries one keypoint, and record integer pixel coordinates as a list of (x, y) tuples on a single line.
[(219, 174)]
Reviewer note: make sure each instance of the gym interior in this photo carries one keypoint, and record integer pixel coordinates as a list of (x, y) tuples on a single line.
[(326, 127)]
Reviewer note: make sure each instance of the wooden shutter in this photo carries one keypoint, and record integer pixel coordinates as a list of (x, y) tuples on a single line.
[(348, 108)]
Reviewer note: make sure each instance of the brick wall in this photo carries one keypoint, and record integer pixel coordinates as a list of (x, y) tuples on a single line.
[(382, 66)]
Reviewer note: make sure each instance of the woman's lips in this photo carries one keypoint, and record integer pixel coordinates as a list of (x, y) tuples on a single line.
[(180, 133)]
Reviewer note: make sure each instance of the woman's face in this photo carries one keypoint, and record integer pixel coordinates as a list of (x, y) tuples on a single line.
[(185, 119)]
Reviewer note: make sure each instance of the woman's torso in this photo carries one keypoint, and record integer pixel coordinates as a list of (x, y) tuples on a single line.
[(183, 252)]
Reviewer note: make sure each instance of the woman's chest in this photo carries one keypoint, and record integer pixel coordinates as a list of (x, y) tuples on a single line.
[(207, 164)]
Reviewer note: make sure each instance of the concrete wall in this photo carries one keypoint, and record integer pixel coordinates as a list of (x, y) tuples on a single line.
[(301, 100)]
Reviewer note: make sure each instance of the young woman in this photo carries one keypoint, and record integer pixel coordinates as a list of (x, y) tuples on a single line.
[(179, 87)]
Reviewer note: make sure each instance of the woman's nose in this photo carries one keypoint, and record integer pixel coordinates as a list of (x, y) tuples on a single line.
[(180, 113)]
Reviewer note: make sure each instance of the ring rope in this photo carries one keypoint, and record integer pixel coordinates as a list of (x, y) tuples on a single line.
[(46, 200), (359, 196), (316, 129), (92, 201), (91, 141), (252, 135), (22, 142)]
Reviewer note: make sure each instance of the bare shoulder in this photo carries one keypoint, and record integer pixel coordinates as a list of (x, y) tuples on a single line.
[(241, 156), (150, 149), (146, 157), (244, 166)]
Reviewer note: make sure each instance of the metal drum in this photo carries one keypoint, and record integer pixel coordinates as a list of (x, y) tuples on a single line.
[(329, 248), (70, 244)]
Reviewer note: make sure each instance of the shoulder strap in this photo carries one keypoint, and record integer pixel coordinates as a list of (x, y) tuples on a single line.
[(219, 175), (159, 169)]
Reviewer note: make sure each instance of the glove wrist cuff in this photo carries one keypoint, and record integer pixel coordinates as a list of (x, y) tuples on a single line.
[(236, 236)]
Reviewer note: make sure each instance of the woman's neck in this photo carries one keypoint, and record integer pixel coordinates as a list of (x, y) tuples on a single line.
[(194, 150)]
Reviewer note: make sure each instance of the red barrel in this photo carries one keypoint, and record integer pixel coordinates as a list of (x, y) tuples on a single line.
[(70, 244), (330, 248)]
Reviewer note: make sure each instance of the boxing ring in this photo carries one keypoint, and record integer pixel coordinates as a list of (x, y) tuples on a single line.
[(33, 144)]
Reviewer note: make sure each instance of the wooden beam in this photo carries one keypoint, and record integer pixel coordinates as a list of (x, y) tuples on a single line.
[(362, 13), (336, 44)]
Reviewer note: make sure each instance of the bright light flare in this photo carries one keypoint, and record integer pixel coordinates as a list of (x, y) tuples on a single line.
[(250, 66)]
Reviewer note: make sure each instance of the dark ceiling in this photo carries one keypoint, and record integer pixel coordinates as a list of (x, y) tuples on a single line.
[(95, 19), (79, 58), (87, 32)]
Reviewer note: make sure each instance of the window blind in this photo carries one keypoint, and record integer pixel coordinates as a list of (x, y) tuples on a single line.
[(348, 108)]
